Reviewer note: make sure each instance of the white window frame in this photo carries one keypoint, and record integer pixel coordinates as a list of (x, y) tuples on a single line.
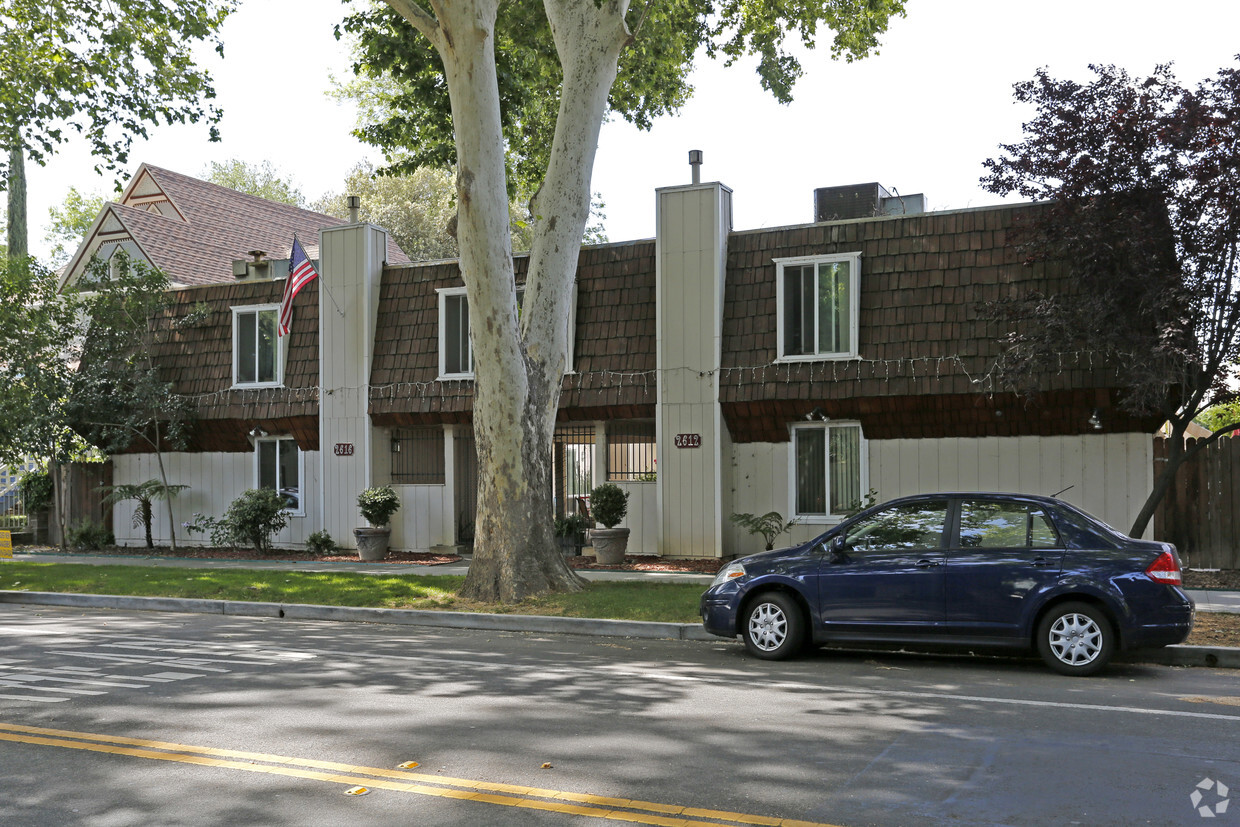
[(854, 302), (445, 292), (237, 312), (864, 471), (300, 511)]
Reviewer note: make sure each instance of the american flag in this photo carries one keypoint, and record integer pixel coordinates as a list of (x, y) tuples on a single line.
[(300, 273)]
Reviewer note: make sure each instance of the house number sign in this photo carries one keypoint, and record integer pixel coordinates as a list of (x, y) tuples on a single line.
[(688, 441), (344, 449)]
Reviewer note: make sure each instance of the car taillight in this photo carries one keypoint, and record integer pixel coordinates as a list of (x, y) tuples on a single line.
[(1165, 570)]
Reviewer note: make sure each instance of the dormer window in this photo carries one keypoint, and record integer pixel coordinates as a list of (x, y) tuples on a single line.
[(456, 355), (818, 306), (256, 348)]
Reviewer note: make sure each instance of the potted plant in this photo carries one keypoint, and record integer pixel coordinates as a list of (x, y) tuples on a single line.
[(609, 505), (377, 505), (571, 531)]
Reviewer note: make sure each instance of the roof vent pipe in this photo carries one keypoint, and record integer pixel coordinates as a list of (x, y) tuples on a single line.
[(354, 203), (695, 161)]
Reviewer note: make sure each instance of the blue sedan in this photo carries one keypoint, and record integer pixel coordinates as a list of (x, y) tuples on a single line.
[(970, 570)]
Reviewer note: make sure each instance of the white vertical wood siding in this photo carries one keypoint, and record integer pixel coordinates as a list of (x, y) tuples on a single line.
[(351, 262), (642, 520), (214, 480), (1110, 475), (691, 240), (425, 518)]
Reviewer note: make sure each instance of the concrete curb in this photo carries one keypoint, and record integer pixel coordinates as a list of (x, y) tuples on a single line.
[(1209, 656), (401, 617)]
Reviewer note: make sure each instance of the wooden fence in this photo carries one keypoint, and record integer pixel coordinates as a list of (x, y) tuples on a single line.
[(84, 500), (1201, 514)]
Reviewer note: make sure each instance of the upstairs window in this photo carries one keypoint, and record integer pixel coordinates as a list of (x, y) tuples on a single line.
[(256, 348), (456, 356), (818, 300)]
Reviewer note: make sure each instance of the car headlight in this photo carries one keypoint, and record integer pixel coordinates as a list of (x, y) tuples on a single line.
[(729, 572)]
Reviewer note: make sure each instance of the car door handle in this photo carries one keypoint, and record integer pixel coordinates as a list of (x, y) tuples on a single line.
[(1041, 562), (927, 564)]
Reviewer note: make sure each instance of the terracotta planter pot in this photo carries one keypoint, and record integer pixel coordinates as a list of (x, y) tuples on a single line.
[(609, 545), (372, 543)]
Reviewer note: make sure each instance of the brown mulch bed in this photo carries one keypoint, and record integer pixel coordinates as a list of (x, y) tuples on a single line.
[(1224, 579), (276, 555)]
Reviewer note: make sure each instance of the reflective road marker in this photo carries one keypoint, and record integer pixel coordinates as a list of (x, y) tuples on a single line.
[(506, 795)]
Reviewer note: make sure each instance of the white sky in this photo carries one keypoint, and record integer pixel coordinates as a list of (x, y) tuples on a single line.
[(919, 117)]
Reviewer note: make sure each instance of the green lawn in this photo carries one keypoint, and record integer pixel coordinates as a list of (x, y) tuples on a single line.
[(668, 602)]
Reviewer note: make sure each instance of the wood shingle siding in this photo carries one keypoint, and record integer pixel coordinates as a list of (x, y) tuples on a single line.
[(196, 357), (923, 348), (614, 350)]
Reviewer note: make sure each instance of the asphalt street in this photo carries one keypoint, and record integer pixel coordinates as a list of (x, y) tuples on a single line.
[(139, 718)]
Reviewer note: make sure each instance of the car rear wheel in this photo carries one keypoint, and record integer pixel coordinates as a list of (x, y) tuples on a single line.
[(1076, 639), (774, 627)]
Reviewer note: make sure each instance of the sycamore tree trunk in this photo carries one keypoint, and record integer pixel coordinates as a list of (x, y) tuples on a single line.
[(16, 186), (519, 364)]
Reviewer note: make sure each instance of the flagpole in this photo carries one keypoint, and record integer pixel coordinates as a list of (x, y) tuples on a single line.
[(322, 281)]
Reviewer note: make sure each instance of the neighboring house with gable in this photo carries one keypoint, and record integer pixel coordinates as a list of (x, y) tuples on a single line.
[(712, 371), (196, 232)]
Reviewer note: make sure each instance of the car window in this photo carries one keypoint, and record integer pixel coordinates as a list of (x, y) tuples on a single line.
[(908, 526), (1000, 524)]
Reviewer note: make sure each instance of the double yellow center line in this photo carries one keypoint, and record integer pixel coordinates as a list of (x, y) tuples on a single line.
[(398, 780)]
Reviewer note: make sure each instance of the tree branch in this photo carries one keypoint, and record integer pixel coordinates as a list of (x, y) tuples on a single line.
[(422, 20)]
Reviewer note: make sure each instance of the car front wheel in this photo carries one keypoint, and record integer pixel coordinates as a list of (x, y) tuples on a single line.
[(1076, 639), (774, 627)]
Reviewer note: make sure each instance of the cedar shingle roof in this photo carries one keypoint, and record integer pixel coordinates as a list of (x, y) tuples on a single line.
[(924, 347), (200, 228), (923, 344), (614, 351), (196, 357)]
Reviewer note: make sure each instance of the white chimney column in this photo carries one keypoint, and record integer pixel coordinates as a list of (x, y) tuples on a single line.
[(691, 240)]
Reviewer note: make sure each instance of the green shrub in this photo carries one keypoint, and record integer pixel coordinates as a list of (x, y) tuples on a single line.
[(570, 526), (88, 536), (609, 504), (37, 490), (320, 542), (378, 505), (252, 519), (770, 525)]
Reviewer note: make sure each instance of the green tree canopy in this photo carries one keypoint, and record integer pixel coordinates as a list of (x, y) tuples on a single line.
[(102, 71), (255, 179), (69, 222), (118, 396), (39, 342), (1142, 180), (416, 208), (403, 102)]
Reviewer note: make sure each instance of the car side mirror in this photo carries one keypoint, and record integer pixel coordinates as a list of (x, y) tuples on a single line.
[(836, 546)]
